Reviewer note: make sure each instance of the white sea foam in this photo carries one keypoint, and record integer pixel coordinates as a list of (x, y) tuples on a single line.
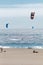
[(37, 47), (4, 47), (14, 39)]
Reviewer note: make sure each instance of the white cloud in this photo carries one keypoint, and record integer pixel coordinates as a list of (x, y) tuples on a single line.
[(21, 10)]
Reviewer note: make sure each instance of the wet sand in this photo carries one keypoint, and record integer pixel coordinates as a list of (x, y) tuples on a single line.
[(14, 56)]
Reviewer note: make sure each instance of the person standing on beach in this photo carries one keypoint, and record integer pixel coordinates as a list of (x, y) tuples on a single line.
[(1, 50)]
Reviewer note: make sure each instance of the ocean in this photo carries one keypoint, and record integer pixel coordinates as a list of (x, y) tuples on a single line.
[(21, 38)]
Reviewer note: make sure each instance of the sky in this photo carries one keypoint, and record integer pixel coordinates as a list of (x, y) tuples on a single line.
[(19, 1), (17, 13)]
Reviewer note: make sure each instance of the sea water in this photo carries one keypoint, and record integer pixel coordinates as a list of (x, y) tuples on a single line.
[(21, 38)]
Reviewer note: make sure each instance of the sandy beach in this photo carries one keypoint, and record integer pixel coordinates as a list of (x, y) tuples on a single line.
[(14, 56)]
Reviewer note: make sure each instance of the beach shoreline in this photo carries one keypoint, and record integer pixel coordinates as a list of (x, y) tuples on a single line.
[(21, 56)]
